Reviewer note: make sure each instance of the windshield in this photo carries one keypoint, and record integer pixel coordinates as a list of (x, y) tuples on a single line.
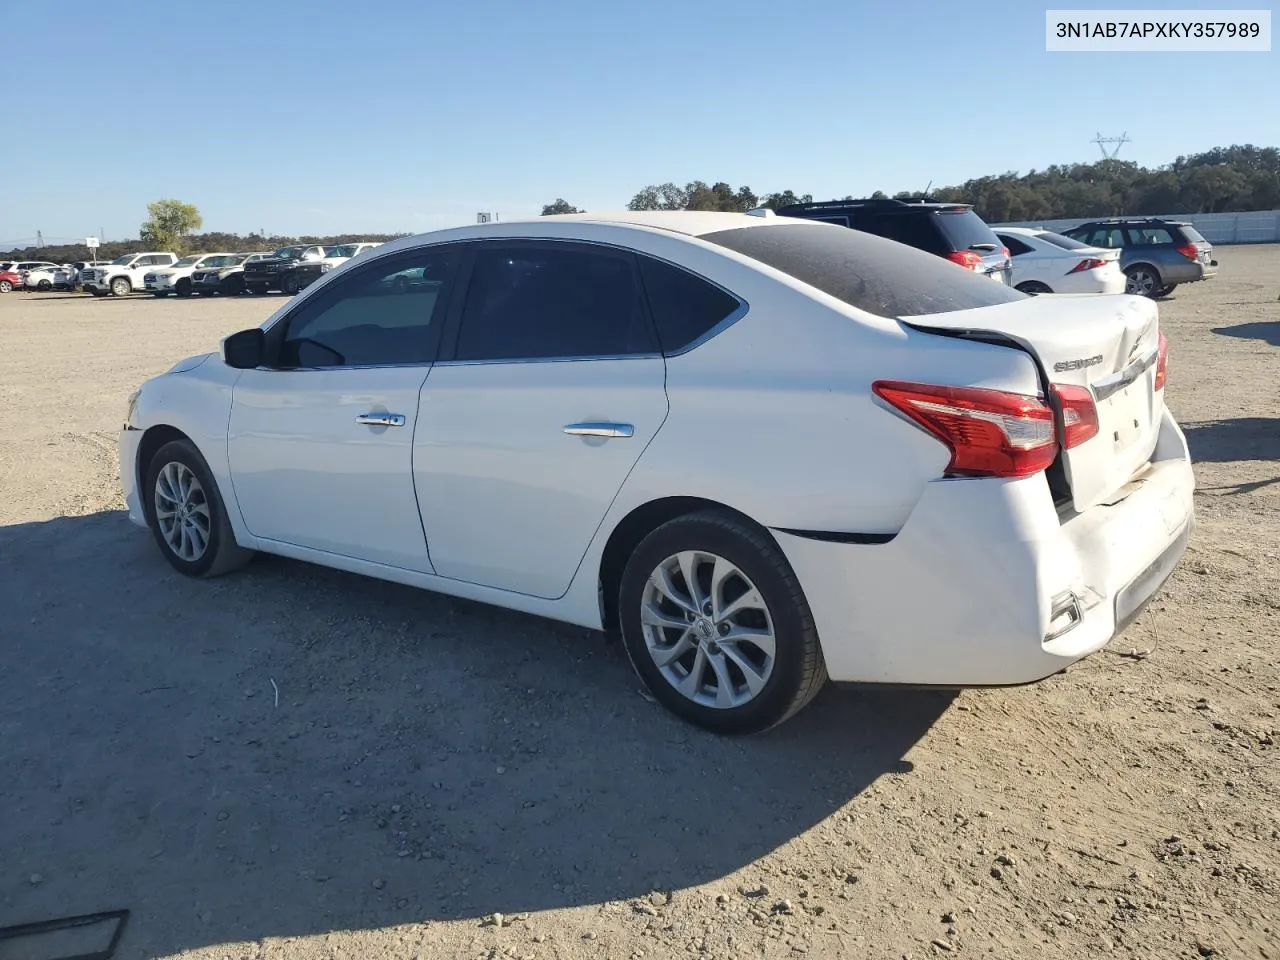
[(187, 262), (127, 258), (226, 260), (344, 250), (289, 253), (1058, 240), (865, 271)]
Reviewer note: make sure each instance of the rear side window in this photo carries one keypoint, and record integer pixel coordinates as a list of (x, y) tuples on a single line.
[(865, 271), (552, 301), (1192, 234), (1149, 236), (1016, 247), (684, 307)]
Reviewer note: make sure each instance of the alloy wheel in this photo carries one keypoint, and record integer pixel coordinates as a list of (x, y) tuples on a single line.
[(182, 511), (708, 629), (1141, 282)]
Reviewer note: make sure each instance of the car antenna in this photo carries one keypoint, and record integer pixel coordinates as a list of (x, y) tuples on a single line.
[(927, 188)]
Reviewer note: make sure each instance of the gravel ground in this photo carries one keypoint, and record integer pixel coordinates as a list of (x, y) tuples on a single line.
[(294, 762)]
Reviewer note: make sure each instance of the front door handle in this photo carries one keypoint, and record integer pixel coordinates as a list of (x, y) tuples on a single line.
[(597, 428), (381, 419)]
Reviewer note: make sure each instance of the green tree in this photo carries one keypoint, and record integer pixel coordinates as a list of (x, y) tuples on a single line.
[(665, 196), (560, 206), (169, 224), (784, 199)]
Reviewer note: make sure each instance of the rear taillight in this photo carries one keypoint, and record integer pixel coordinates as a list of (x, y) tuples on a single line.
[(966, 258), (1089, 263), (1162, 364), (990, 433), (1078, 411), (1190, 251), (1004, 252)]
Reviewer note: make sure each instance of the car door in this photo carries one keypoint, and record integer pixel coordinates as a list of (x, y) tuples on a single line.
[(320, 441), (548, 390)]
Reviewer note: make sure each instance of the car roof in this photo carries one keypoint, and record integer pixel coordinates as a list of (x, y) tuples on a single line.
[(1172, 223), (693, 223)]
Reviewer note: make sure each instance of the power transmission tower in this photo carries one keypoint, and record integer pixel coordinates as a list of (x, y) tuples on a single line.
[(1110, 146), (39, 238)]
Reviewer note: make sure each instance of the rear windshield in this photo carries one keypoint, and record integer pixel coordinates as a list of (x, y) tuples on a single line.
[(1192, 234), (965, 229), (865, 271), (1058, 240)]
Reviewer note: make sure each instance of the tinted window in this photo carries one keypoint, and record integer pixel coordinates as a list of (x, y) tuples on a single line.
[(1016, 246), (839, 221), (915, 229), (381, 315), (1110, 237), (684, 306), (552, 300), (1192, 234), (1058, 240), (865, 271), (965, 229)]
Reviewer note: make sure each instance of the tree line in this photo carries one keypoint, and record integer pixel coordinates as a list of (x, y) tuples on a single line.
[(1221, 180)]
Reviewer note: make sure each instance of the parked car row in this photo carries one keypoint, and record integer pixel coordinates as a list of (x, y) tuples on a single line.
[(161, 273), (1144, 256)]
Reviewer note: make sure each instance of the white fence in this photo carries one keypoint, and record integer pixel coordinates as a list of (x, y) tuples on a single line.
[(1259, 226)]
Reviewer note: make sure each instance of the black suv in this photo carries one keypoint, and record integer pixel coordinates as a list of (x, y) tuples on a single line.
[(950, 230), (1155, 255)]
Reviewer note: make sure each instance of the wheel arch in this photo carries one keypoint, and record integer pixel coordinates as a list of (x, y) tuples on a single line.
[(633, 528), (1153, 267), (153, 438)]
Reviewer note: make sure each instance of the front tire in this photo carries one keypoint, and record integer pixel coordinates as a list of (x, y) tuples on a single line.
[(717, 626), (121, 287), (6, 286), (183, 287), (1142, 281), (187, 515), (289, 285), (44, 285)]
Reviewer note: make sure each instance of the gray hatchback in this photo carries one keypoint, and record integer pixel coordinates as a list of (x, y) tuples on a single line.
[(1155, 255)]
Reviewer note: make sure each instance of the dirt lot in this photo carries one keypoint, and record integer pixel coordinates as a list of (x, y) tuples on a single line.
[(429, 764)]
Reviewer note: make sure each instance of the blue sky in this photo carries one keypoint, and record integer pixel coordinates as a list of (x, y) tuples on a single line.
[(392, 115)]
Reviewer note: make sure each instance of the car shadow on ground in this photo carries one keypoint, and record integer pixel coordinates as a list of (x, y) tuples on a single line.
[(290, 751), (1240, 438), (1267, 332)]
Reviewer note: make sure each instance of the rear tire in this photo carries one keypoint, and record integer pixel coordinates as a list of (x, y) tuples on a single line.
[(1142, 281), (44, 285), (187, 515), (681, 638), (6, 286), (1033, 287)]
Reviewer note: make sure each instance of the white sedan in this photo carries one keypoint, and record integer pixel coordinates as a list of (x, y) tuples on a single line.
[(40, 278), (767, 451), (1048, 262)]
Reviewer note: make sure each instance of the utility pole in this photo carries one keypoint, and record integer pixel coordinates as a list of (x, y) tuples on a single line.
[(39, 239)]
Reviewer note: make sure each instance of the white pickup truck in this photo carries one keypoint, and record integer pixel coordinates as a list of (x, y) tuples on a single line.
[(123, 274)]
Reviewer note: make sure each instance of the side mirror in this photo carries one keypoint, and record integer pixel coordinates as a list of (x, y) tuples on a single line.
[(245, 350)]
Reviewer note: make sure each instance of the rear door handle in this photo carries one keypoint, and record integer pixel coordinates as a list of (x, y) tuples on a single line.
[(381, 419), (597, 428)]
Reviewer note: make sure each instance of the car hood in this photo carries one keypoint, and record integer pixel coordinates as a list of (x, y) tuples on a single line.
[(189, 363)]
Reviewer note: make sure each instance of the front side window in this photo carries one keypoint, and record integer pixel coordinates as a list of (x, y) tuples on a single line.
[(187, 262), (385, 314), (545, 300)]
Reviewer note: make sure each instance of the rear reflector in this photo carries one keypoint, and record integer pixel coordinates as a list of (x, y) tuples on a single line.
[(1078, 411), (1090, 263), (990, 433), (1162, 363)]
